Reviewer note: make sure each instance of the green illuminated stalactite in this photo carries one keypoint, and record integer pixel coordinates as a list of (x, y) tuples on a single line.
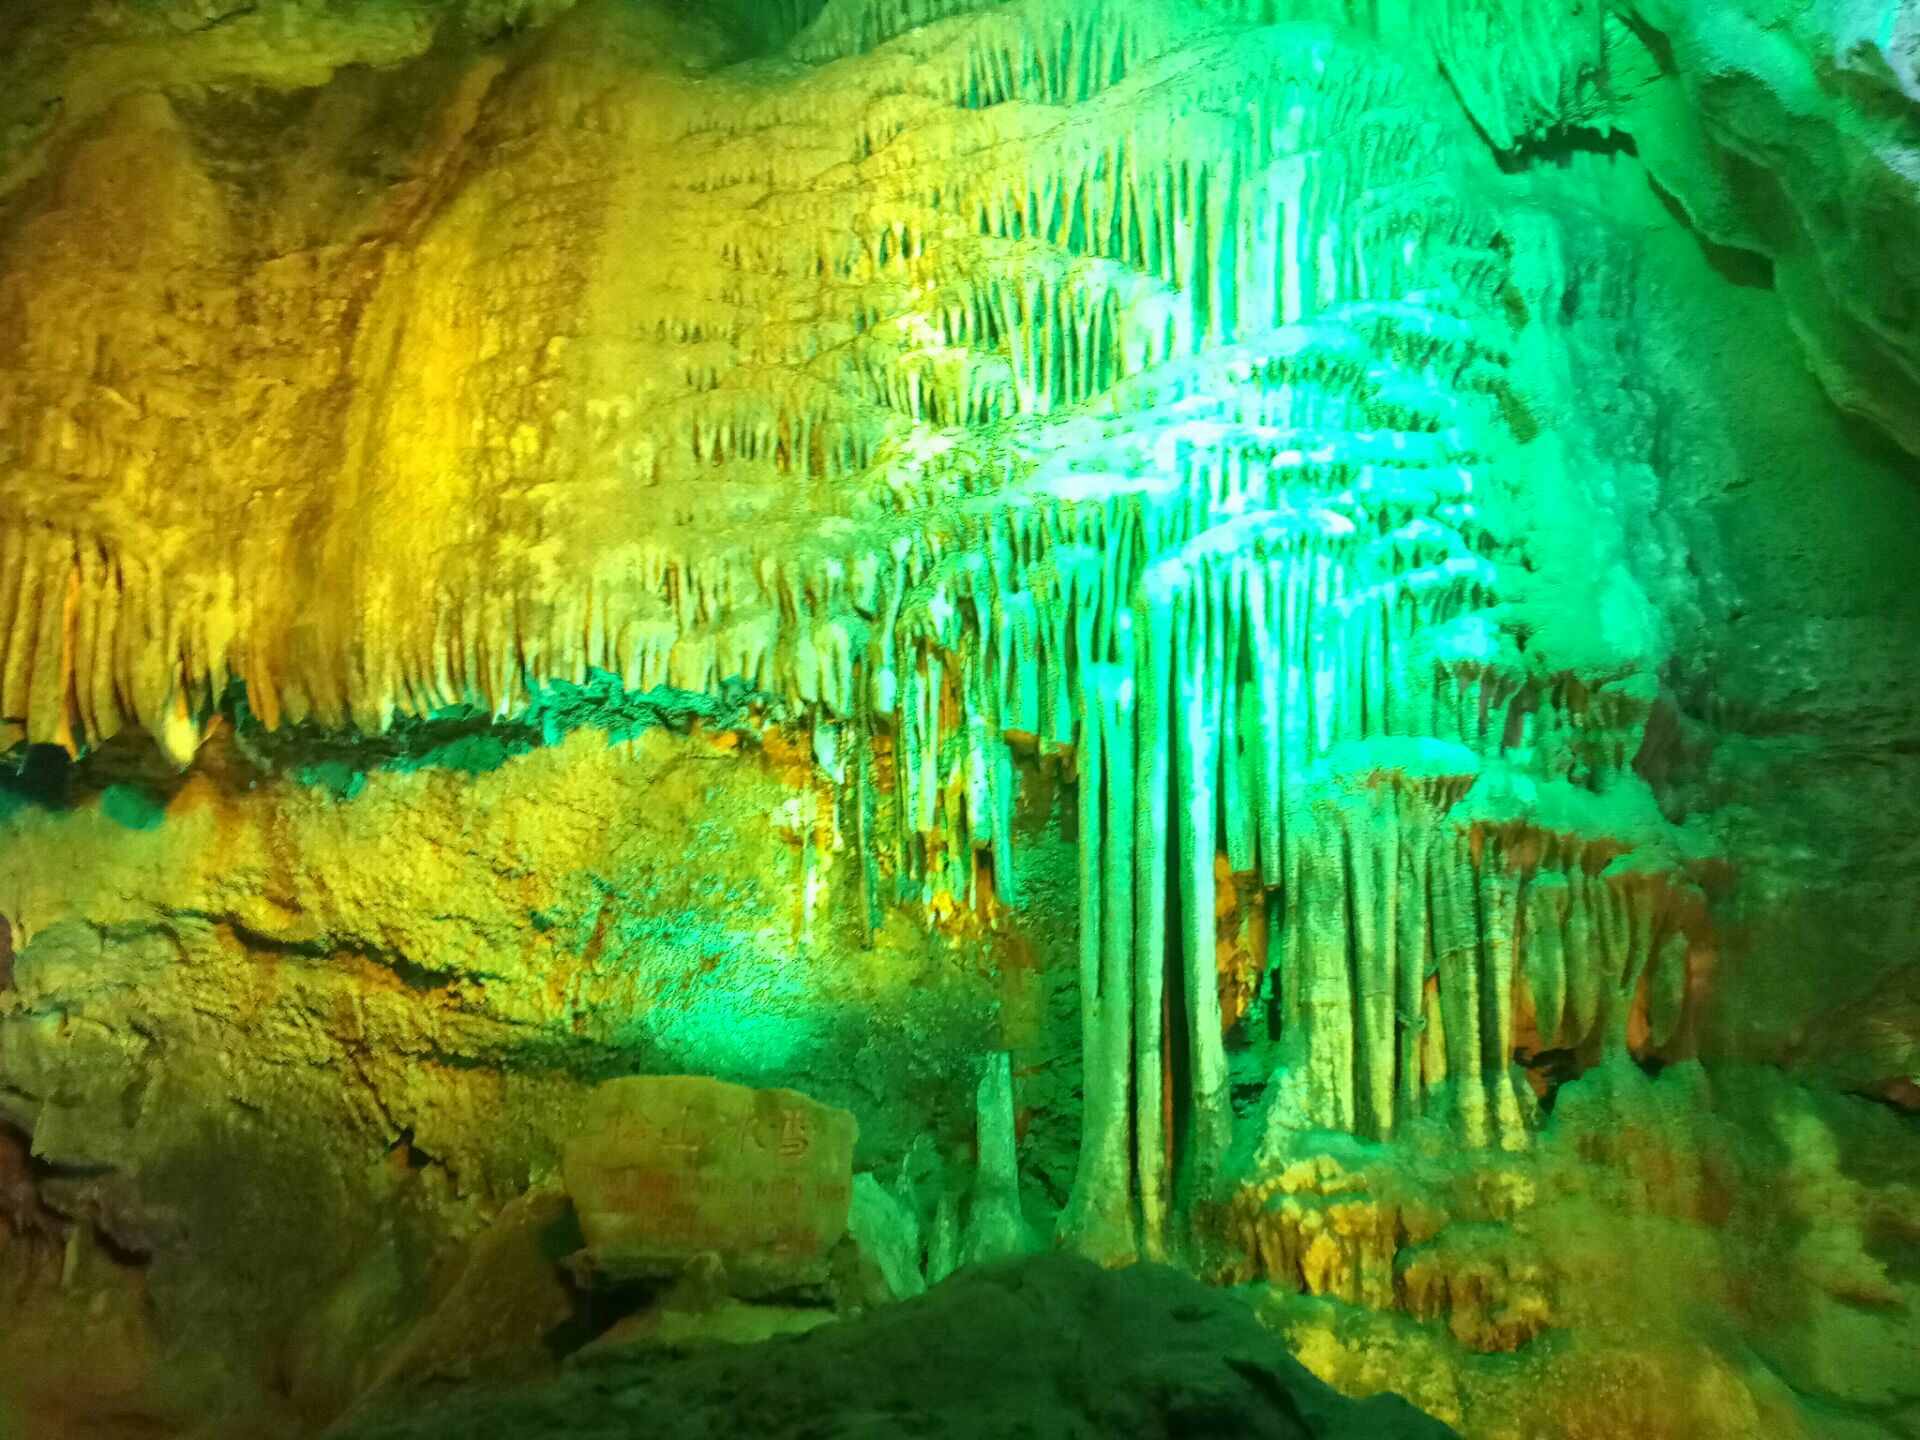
[(1408, 919), (1101, 1220), (1544, 921), (1153, 629), (1374, 990), (1184, 428), (1197, 692)]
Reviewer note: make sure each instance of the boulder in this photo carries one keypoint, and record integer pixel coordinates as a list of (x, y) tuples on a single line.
[(671, 1168)]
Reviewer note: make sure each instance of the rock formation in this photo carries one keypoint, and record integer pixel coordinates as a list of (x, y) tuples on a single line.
[(1047, 1345), (1269, 635)]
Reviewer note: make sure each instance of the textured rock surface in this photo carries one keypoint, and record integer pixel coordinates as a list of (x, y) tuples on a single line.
[(1042, 1346), (1656, 1220), (665, 1169), (1798, 138), (306, 1084), (1289, 566)]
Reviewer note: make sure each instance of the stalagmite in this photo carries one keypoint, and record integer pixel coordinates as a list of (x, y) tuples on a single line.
[(995, 1228)]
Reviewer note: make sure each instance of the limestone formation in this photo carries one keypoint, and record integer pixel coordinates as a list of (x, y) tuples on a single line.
[(1227, 620)]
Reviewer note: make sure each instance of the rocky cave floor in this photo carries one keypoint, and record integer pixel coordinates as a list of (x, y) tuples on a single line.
[(1044, 1347)]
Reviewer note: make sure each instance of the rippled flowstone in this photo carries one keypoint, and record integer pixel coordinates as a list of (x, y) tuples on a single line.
[(1042, 1346)]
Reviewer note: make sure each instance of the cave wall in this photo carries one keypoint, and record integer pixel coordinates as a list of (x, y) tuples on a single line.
[(290, 1029), (1329, 577)]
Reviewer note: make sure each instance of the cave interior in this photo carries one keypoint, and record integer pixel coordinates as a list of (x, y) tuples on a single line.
[(845, 718)]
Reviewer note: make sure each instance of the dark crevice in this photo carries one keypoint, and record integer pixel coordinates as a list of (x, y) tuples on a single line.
[(1558, 147), (1898, 1093), (1547, 1071), (43, 1200), (1176, 1078), (1555, 147), (1659, 46), (238, 13), (1748, 269), (414, 974), (1367, 1124), (598, 1307), (134, 784), (129, 1257), (23, 1210), (407, 1152), (1247, 1096), (38, 775), (754, 28), (471, 741)]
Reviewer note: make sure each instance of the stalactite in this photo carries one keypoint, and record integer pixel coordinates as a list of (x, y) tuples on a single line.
[(1101, 1220), (1153, 630), (1143, 387), (1197, 700)]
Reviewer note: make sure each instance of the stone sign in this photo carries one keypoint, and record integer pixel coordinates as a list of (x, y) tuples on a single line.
[(668, 1168)]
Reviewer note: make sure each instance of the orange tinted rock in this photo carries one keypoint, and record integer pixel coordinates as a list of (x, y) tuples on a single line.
[(668, 1168)]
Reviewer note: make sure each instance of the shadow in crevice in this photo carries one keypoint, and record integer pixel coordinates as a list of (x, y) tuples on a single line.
[(1747, 269), (599, 1303), (1656, 41), (126, 778), (1557, 148), (753, 28), (133, 784)]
